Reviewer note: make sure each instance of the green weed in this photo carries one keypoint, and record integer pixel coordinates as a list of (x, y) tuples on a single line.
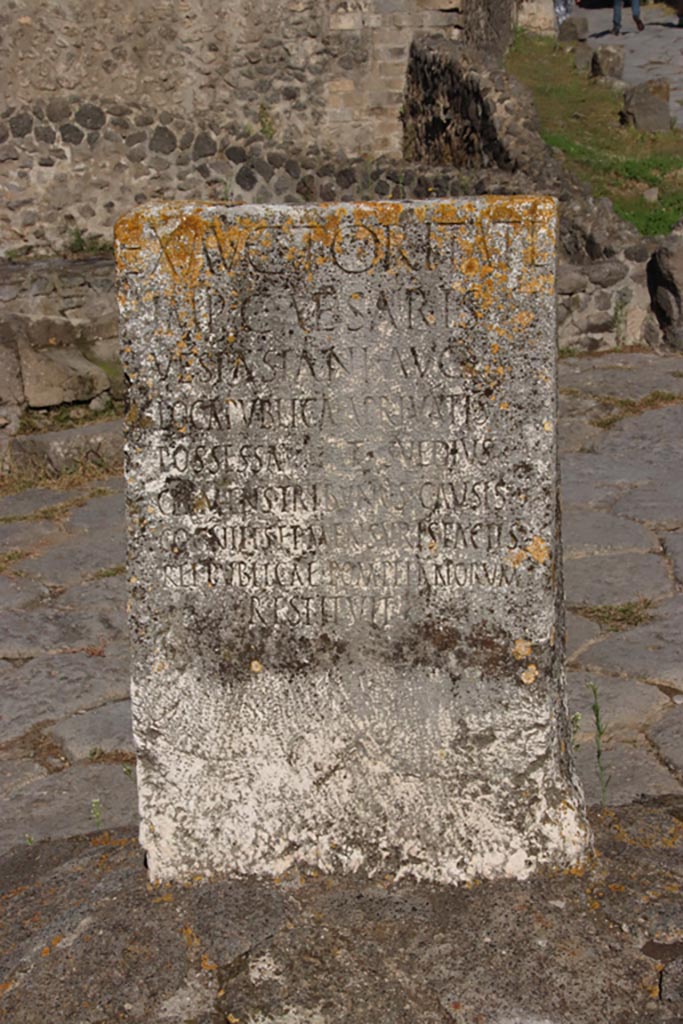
[(622, 407), (616, 617), (266, 123), (580, 119), (600, 731)]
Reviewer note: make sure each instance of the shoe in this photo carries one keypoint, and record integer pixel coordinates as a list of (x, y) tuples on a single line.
[(615, 30), (639, 24)]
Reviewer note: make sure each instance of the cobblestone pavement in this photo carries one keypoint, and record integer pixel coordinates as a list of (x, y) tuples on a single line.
[(657, 52), (66, 750)]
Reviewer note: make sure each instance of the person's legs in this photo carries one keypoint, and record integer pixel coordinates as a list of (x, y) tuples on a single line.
[(616, 16), (635, 11)]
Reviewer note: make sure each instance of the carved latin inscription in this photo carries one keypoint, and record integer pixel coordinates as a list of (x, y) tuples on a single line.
[(343, 536)]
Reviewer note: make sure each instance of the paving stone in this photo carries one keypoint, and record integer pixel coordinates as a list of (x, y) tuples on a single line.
[(653, 651), (17, 592), (88, 614), (591, 531), (34, 500), (621, 375), (667, 736), (596, 479), (16, 774), (100, 514), (579, 632), (673, 545), (49, 687), (626, 706), (79, 556), (61, 804), (107, 728), (27, 534), (660, 505), (633, 772), (615, 578), (652, 440)]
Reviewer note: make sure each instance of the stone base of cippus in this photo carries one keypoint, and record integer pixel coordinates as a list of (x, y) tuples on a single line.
[(344, 551)]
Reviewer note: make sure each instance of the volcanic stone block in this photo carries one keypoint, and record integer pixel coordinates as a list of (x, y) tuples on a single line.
[(344, 554)]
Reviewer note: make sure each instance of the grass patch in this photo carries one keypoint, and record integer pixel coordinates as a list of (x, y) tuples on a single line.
[(8, 557), (59, 511), (581, 119), (25, 477), (616, 617), (622, 407), (80, 244), (105, 574)]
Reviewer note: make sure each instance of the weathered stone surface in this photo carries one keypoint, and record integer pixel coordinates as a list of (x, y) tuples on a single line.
[(104, 730), (86, 616), (631, 773), (667, 736), (626, 706), (54, 376), (82, 555), (646, 106), (615, 578), (98, 443), (592, 532), (573, 29), (673, 545), (345, 608), (608, 62), (163, 140), (666, 286), (311, 950), (652, 651), (11, 387), (49, 688), (580, 631), (538, 16), (59, 802)]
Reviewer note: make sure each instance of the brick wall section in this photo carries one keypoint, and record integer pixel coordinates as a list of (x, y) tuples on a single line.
[(363, 103)]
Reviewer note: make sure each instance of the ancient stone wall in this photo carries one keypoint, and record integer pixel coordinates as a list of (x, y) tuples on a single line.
[(107, 103)]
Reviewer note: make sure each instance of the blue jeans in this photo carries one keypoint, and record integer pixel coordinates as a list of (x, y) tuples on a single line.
[(616, 11)]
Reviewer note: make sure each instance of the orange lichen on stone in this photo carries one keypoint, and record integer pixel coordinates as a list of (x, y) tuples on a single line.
[(539, 550), (530, 675), (521, 649)]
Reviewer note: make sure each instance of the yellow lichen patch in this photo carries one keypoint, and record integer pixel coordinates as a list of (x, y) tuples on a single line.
[(523, 319), (539, 550), (516, 557), (256, 666), (190, 936), (529, 675), (548, 426), (207, 964), (46, 950), (521, 649)]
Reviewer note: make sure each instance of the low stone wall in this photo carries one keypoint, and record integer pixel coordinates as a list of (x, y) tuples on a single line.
[(463, 109)]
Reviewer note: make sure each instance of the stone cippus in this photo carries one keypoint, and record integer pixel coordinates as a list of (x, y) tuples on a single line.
[(341, 468)]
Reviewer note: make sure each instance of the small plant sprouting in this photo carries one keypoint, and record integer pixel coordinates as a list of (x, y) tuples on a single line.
[(266, 123), (600, 731), (128, 771), (96, 812), (29, 840), (77, 241), (575, 724)]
